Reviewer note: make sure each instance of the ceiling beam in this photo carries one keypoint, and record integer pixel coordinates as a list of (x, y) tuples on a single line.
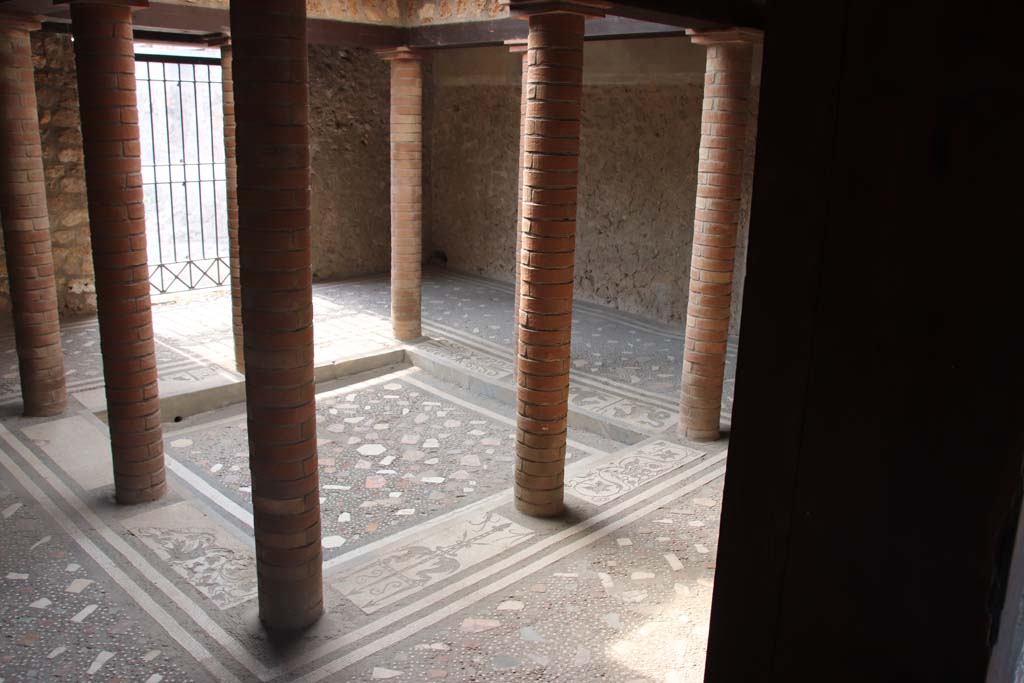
[(631, 19), (497, 31), (696, 14)]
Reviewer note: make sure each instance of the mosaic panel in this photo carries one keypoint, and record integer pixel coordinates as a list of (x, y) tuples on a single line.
[(200, 551), (625, 473), (424, 562)]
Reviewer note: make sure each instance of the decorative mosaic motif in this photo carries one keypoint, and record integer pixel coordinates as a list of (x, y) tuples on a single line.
[(644, 416), (199, 551), (225, 576), (625, 473), (425, 562), (479, 363), (590, 399)]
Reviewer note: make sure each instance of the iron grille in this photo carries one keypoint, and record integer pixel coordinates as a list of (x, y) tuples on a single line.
[(181, 123)]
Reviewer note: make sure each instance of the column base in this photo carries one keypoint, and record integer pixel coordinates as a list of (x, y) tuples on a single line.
[(542, 511), (45, 410), (407, 332), (696, 434), (139, 496), (281, 622)]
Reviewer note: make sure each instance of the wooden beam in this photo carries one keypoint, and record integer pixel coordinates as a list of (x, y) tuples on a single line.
[(467, 33), (352, 34), (497, 31), (695, 14), (633, 19)]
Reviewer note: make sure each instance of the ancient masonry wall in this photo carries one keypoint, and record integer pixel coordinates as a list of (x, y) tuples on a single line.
[(349, 146), (349, 104), (61, 131), (638, 169), (641, 128)]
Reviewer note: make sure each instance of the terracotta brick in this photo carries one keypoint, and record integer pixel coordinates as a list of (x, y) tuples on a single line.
[(267, 77), (406, 121), (723, 136), (104, 55), (26, 229), (549, 135)]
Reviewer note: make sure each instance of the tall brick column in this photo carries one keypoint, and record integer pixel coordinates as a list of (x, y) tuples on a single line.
[(406, 190), (26, 226), (519, 47), (271, 86), (715, 225), (231, 167), (550, 168), (105, 61)]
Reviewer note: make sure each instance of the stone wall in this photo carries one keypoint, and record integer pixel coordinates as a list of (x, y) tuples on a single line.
[(60, 129), (349, 96), (638, 169)]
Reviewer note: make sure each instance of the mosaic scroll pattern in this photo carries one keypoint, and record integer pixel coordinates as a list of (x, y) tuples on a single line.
[(625, 473)]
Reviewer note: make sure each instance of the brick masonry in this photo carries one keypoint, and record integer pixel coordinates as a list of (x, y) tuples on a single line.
[(271, 85), (26, 229), (406, 141), (520, 48), (716, 223), (104, 53), (231, 174), (551, 145), (61, 134)]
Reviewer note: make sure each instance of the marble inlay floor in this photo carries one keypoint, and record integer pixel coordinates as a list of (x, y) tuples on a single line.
[(430, 573), (194, 342)]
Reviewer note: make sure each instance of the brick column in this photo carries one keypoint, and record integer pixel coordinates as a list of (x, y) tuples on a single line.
[(105, 62), (550, 166), (231, 166), (26, 226), (715, 224), (406, 191), (519, 47), (271, 86)]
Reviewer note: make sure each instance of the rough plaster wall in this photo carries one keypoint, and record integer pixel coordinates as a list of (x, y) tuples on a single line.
[(420, 12), (474, 156), (391, 12), (638, 169), (366, 11), (638, 183), (60, 130), (349, 94)]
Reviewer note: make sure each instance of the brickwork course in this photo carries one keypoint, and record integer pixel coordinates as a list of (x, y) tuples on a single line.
[(716, 221), (271, 88), (231, 175), (105, 58), (520, 48), (26, 228), (549, 188), (406, 191)]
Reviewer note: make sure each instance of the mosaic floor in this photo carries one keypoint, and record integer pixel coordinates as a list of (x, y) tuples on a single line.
[(467, 317), (430, 573)]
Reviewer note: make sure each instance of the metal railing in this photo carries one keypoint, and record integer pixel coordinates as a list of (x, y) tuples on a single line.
[(181, 122)]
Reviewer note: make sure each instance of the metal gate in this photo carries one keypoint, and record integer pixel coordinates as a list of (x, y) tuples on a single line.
[(181, 123)]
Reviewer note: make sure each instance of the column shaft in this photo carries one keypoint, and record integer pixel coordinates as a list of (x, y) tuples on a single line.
[(715, 225), (271, 87), (406, 193), (105, 61), (231, 168), (520, 49), (550, 171), (26, 228)]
